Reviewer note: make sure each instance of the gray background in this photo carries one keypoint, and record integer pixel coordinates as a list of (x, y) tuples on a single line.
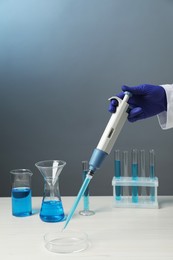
[(60, 60)]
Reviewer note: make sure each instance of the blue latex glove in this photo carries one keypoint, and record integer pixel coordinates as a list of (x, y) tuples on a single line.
[(146, 101)]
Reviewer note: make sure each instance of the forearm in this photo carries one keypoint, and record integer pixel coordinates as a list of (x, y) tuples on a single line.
[(166, 118)]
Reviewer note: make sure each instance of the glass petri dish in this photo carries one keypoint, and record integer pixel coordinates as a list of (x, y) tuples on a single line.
[(86, 213), (66, 241)]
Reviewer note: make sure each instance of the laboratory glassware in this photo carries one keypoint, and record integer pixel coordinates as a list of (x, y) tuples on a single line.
[(136, 181), (66, 242), (86, 209), (134, 169), (143, 174), (104, 146), (117, 173), (152, 172), (125, 173), (21, 192), (51, 208)]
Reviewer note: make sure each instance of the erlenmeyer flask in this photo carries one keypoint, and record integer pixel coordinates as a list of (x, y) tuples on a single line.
[(51, 208)]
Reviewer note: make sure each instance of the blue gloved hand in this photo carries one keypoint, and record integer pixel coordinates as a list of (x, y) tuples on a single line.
[(146, 101)]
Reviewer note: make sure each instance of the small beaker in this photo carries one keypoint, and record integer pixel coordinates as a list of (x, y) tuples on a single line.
[(21, 192), (51, 208)]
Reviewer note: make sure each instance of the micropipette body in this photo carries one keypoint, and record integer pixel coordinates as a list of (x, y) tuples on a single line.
[(104, 146)]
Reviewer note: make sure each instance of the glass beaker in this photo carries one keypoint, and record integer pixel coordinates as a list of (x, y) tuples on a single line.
[(51, 208), (21, 192)]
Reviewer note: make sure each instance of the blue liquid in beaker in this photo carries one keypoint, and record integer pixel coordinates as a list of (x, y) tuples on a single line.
[(21, 202), (52, 211)]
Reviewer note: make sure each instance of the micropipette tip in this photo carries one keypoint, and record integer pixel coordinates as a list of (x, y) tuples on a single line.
[(81, 192), (64, 227), (69, 217)]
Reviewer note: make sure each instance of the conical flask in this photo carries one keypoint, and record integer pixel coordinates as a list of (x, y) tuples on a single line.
[(51, 208)]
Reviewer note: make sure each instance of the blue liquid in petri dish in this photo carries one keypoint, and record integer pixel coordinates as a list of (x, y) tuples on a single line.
[(52, 211), (21, 202)]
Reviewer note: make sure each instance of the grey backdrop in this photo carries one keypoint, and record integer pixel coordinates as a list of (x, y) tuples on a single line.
[(60, 60)]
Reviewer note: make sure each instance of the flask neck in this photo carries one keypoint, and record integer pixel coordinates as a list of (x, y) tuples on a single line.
[(51, 190)]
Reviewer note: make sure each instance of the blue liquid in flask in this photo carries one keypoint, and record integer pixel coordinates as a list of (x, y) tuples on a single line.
[(52, 211), (21, 202)]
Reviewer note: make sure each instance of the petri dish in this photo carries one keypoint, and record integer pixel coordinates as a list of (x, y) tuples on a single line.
[(66, 241)]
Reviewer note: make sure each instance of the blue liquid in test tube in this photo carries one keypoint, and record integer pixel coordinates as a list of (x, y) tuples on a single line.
[(142, 172), (117, 167), (86, 193), (134, 175), (152, 174), (86, 209), (21, 201)]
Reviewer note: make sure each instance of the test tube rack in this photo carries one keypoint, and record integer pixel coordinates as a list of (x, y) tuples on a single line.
[(131, 187), (143, 201)]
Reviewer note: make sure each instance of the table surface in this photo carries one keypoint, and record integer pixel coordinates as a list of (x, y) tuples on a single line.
[(115, 233)]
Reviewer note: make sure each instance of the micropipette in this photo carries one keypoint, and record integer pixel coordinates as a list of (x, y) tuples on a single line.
[(104, 146)]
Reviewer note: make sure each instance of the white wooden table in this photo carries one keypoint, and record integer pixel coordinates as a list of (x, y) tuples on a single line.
[(114, 233)]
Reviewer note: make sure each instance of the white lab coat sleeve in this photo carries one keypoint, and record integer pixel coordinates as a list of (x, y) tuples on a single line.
[(166, 118)]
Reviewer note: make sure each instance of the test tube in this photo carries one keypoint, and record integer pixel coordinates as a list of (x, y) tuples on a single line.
[(142, 168), (134, 175), (86, 211), (152, 173), (125, 171), (117, 168)]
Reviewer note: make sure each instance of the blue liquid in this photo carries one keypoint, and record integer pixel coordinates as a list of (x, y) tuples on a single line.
[(117, 167), (75, 204), (86, 202), (152, 189), (86, 193), (52, 211), (21, 202), (134, 188)]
